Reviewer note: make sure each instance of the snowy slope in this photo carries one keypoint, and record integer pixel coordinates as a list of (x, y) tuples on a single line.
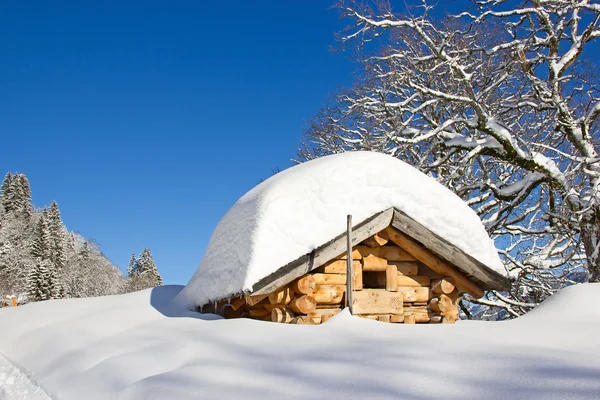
[(140, 346), (305, 206)]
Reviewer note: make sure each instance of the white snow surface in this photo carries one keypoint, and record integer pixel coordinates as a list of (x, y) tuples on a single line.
[(143, 346), (305, 206), (16, 385)]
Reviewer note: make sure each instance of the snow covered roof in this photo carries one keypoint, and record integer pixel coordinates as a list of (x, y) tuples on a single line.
[(299, 209)]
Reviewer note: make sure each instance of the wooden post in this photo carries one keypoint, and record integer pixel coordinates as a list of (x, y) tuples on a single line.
[(349, 270)]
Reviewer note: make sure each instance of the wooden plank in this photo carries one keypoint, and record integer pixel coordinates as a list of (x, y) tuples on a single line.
[(438, 245), (322, 254), (391, 278), (414, 281), (408, 268), (323, 314), (434, 262), (358, 276), (377, 301), (390, 253), (414, 294), (303, 320)]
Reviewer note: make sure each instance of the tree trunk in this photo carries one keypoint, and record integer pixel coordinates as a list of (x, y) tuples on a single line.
[(590, 235)]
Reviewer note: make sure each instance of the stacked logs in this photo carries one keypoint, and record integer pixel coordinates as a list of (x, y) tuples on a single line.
[(389, 285)]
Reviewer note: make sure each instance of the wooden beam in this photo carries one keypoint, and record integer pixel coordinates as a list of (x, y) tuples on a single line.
[(438, 245), (349, 270), (434, 262), (377, 301), (390, 253), (377, 240), (391, 278), (374, 263)]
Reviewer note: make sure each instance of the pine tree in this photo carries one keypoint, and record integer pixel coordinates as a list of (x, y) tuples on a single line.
[(147, 267), (7, 195), (57, 237), (142, 272), (42, 283), (26, 205), (132, 267), (42, 241)]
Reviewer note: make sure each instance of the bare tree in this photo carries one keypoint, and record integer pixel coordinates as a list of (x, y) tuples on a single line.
[(499, 102)]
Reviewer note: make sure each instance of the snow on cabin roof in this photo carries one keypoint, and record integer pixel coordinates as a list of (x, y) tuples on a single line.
[(305, 206)]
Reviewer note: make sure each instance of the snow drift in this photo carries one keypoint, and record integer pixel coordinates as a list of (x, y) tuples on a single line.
[(305, 206), (140, 346)]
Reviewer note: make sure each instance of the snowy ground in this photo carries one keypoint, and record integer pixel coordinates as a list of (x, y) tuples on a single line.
[(15, 384), (137, 346)]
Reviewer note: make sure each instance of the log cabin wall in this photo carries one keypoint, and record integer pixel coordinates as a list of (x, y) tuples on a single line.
[(389, 286)]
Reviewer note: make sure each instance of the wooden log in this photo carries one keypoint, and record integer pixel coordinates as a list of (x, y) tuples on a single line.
[(412, 294), (409, 319), (229, 312), (391, 278), (316, 319), (421, 314), (335, 267), (408, 268), (455, 295), (445, 286), (283, 315), (302, 320), (237, 303), (259, 312), (329, 294), (253, 300), (452, 315), (378, 239), (396, 319), (303, 304), (441, 304), (329, 279), (372, 317), (320, 312), (390, 253), (355, 255), (385, 318), (305, 285), (434, 262), (282, 296), (374, 263), (377, 301), (414, 281), (358, 276)]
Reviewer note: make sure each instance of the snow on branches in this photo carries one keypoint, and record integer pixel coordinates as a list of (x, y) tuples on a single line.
[(500, 102)]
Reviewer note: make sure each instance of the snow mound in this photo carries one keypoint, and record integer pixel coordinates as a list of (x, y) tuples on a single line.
[(305, 206), (573, 303), (134, 347)]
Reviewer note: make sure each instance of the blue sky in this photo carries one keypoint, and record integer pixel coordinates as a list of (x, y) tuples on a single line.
[(146, 121)]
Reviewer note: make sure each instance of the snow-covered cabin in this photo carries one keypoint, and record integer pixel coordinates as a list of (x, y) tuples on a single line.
[(279, 253)]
